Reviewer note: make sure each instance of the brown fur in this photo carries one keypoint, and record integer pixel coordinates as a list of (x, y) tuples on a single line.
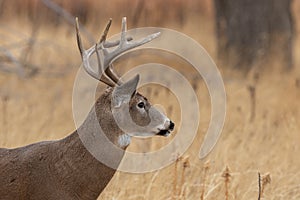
[(61, 169)]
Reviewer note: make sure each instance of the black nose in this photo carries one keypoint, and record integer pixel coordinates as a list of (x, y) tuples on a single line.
[(172, 125)]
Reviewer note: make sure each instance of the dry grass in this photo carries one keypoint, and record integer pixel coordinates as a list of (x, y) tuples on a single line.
[(39, 108)]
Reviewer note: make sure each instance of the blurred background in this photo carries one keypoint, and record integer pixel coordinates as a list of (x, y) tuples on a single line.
[(255, 45)]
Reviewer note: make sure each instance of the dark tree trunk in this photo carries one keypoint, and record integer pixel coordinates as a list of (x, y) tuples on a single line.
[(251, 32)]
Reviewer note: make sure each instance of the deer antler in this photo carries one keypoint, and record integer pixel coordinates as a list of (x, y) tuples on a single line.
[(105, 62)]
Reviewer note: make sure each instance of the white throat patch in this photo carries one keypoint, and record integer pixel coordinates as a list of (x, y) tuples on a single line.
[(124, 140)]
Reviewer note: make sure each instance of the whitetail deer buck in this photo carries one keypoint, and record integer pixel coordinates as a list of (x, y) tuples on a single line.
[(65, 169)]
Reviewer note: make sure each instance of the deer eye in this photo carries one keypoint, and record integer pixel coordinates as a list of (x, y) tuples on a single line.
[(141, 105)]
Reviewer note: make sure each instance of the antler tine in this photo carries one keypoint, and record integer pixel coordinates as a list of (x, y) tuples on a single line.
[(123, 31), (85, 55), (125, 45), (108, 70), (103, 78), (105, 32), (78, 37)]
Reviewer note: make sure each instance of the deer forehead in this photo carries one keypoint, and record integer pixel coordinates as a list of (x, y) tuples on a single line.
[(138, 98)]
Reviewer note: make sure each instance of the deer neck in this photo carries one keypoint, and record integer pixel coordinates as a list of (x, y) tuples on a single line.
[(78, 171), (105, 120), (77, 165)]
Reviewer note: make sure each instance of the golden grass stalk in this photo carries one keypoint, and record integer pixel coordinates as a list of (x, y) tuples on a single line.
[(262, 182), (206, 168), (174, 194), (185, 164), (226, 175), (259, 186)]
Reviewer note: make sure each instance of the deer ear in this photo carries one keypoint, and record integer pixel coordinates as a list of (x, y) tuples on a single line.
[(123, 93)]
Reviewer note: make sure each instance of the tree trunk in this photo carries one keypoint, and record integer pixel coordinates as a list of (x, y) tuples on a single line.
[(253, 32)]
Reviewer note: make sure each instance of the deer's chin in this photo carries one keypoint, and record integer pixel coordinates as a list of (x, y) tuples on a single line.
[(164, 133), (141, 134)]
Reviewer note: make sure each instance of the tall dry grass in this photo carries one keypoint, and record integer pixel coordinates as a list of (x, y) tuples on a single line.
[(39, 108)]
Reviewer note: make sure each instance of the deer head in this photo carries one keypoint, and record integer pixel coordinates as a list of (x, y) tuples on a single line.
[(122, 111)]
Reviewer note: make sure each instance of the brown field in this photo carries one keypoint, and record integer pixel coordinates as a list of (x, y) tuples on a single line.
[(39, 107)]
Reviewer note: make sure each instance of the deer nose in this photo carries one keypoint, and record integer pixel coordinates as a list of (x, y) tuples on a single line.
[(171, 126)]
